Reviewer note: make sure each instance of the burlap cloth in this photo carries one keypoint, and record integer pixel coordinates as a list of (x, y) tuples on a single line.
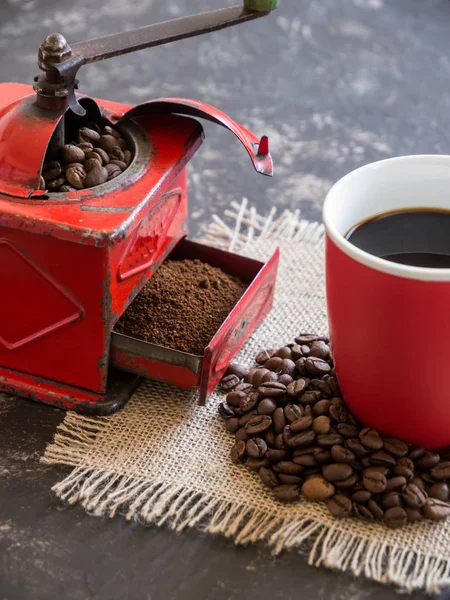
[(164, 459)]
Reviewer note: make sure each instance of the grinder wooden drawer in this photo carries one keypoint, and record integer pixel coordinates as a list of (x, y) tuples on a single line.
[(204, 371)]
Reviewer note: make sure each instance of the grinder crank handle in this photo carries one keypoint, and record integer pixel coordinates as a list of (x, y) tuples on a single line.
[(258, 149), (62, 62)]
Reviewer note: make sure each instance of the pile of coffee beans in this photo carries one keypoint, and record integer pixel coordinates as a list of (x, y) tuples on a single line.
[(97, 156), (293, 428)]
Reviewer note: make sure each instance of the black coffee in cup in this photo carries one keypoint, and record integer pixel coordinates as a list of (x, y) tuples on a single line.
[(418, 237)]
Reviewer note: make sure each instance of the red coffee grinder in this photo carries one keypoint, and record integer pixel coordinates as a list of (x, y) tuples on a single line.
[(71, 263)]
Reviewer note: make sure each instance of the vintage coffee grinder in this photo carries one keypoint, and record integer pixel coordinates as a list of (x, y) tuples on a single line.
[(71, 262)]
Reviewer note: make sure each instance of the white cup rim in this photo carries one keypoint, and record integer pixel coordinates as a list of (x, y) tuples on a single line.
[(379, 264)]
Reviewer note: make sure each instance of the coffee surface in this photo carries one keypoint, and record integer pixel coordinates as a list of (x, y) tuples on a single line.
[(182, 306), (419, 238)]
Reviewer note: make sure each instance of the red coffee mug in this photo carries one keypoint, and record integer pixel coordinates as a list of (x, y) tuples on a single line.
[(390, 323)]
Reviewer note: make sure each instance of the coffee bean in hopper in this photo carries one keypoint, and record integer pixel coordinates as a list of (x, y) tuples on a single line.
[(291, 425)]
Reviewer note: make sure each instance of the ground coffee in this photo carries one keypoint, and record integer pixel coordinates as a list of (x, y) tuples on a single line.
[(182, 306), (292, 426)]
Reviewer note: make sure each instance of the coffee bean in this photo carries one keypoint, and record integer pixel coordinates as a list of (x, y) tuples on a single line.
[(71, 154), (361, 496), (300, 365), (318, 489), (340, 506), (284, 352), (107, 130), (88, 135), (309, 338), (292, 412), (375, 509), (268, 477), (283, 379), (319, 349), (382, 458), (237, 452), (395, 447), (321, 425), (274, 363), (106, 142), (290, 479), (374, 482), (263, 356), (347, 483), (225, 411), (413, 514), (305, 460), (279, 420), (287, 367), (414, 496), (257, 376), (243, 387), (286, 493), (440, 491), (290, 468), (441, 471), (86, 147), (329, 440), (395, 517), (317, 366), (395, 483), (51, 170), (310, 397), (342, 455), (415, 453), (347, 430), (301, 424), (321, 408), (301, 440), (436, 509), (272, 390), (356, 447), (275, 455), (246, 417), (96, 176), (296, 352), (419, 482), (117, 154), (94, 163), (322, 455), (405, 462), (229, 382), (55, 184), (258, 424), (391, 500), (234, 398), (280, 444), (249, 401), (267, 406), (248, 377), (236, 369), (76, 176), (362, 512), (256, 447), (336, 472), (404, 472), (270, 437), (255, 464), (232, 424), (321, 385), (297, 387), (338, 413), (428, 461), (370, 439), (241, 434)]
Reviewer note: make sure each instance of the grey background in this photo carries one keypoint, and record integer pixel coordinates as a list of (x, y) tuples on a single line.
[(335, 84)]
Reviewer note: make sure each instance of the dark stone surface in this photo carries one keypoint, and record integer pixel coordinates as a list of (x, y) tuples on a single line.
[(335, 85)]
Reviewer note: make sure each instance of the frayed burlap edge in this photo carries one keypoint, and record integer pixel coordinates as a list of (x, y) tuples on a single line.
[(106, 494)]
